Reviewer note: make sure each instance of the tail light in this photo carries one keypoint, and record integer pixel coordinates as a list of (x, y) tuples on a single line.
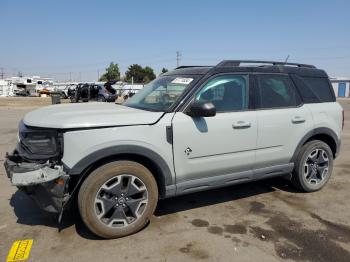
[(342, 126)]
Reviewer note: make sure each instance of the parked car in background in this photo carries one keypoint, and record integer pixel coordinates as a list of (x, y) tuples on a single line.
[(94, 92), (126, 91), (65, 91), (71, 91)]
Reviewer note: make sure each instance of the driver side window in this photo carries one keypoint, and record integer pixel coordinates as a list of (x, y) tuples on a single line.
[(228, 93)]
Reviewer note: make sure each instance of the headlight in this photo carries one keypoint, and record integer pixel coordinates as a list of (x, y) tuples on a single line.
[(38, 143)]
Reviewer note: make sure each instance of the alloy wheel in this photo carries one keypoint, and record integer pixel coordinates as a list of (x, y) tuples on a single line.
[(121, 201), (316, 166)]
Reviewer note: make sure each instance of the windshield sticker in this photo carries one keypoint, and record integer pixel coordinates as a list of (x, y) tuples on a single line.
[(182, 80)]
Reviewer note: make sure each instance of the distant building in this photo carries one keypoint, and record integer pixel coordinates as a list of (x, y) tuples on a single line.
[(341, 86)]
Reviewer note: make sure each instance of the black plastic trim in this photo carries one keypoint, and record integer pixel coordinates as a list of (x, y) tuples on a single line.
[(231, 63), (212, 182), (169, 134), (317, 131), (87, 161)]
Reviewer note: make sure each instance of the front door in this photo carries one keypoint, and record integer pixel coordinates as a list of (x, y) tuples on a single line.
[(221, 145)]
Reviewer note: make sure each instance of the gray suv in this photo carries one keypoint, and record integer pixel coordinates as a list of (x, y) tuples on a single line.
[(191, 129)]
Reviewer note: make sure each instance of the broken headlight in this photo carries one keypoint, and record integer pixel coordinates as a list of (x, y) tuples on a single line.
[(38, 143)]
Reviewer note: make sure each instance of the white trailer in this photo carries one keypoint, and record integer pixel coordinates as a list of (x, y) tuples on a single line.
[(6, 87)]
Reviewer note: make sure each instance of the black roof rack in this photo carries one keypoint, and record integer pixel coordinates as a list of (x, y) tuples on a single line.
[(179, 67), (230, 63)]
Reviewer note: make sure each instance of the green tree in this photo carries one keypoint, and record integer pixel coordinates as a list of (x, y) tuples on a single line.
[(164, 70), (138, 74), (112, 73), (149, 75), (134, 72)]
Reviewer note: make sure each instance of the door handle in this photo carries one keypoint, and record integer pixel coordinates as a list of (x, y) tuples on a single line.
[(241, 124), (298, 120)]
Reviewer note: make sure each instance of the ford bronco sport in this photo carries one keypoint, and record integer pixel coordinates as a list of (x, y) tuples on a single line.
[(191, 129)]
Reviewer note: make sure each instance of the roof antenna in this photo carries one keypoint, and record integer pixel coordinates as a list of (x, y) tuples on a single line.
[(285, 61)]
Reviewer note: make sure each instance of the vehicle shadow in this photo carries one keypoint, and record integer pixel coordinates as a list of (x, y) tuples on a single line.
[(221, 195), (28, 213)]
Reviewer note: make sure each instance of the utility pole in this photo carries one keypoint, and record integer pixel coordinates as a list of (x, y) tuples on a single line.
[(70, 76), (178, 57), (2, 72), (98, 75)]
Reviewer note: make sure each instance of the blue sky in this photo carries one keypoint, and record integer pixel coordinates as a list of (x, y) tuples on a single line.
[(59, 38)]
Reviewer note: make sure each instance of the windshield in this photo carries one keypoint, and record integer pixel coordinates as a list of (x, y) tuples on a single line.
[(160, 94)]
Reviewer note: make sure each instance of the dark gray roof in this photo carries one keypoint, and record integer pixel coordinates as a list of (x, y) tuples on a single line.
[(232, 66)]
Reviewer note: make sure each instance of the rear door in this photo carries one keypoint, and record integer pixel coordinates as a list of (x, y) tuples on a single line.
[(282, 119), (221, 145)]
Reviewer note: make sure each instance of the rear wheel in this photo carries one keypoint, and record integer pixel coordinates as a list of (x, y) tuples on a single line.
[(118, 199), (313, 166)]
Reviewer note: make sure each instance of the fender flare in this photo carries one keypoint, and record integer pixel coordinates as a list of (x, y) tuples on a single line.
[(317, 131), (98, 155)]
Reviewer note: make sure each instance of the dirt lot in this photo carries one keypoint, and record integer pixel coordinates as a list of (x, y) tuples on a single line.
[(265, 221)]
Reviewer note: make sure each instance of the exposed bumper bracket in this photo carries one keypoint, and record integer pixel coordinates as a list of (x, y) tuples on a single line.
[(46, 183), (27, 174)]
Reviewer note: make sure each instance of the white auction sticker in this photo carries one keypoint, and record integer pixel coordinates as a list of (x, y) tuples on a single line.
[(182, 80)]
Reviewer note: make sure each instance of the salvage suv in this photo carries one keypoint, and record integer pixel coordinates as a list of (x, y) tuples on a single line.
[(194, 128)]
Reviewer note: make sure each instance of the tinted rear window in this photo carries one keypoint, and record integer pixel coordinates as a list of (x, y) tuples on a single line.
[(314, 89), (277, 91)]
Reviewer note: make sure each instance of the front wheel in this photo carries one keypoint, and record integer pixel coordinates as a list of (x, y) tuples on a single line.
[(313, 166), (118, 199)]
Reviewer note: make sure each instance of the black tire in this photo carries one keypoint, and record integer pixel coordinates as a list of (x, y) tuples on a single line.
[(63, 95), (298, 176), (74, 99), (101, 99), (92, 186)]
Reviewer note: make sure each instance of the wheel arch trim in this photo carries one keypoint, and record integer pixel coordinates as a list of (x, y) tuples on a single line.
[(318, 131), (81, 166)]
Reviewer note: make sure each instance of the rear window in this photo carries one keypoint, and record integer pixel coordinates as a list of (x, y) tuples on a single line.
[(314, 89)]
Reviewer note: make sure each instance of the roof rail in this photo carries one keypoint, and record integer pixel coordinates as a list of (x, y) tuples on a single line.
[(230, 63), (179, 67)]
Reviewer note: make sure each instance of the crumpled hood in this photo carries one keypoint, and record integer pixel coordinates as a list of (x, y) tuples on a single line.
[(82, 115)]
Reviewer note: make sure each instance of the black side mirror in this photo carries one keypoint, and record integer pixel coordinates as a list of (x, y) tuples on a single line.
[(201, 109)]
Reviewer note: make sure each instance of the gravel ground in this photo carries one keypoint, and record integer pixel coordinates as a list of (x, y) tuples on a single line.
[(265, 221)]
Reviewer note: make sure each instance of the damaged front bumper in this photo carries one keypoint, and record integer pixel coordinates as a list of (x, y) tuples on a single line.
[(46, 183)]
